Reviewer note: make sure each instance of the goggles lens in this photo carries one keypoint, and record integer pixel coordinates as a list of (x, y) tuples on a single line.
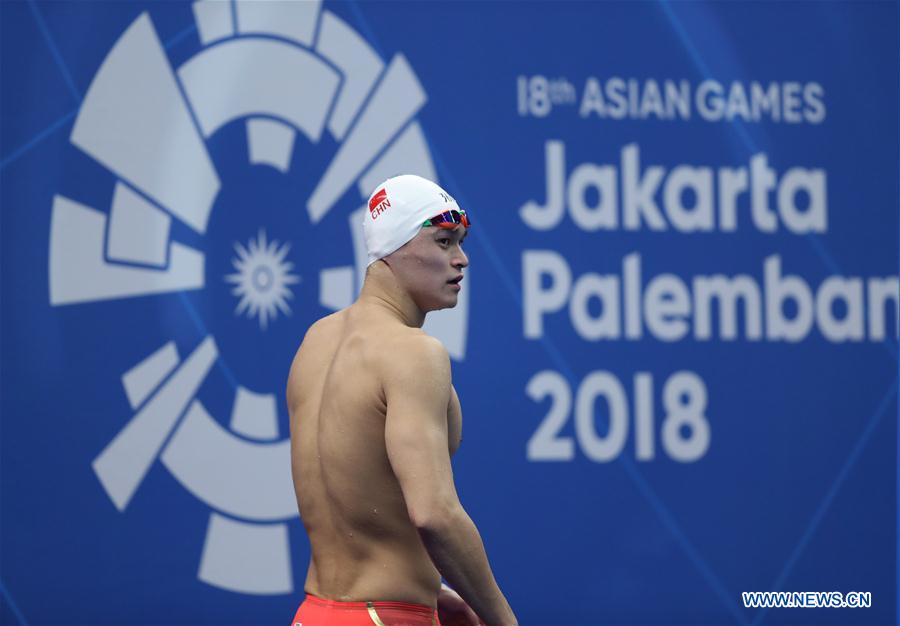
[(449, 220)]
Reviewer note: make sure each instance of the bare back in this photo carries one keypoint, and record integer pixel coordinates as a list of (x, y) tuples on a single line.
[(364, 545)]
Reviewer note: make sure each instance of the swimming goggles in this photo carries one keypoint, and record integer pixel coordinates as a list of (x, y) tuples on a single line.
[(449, 219)]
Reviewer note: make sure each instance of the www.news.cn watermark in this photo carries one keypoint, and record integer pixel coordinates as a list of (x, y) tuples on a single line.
[(806, 599)]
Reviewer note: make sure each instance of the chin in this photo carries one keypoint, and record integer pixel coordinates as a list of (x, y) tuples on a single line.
[(442, 305), (436, 302)]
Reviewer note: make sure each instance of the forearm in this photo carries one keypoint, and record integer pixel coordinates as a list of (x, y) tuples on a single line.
[(455, 546)]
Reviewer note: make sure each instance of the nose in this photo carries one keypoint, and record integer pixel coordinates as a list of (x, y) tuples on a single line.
[(460, 260)]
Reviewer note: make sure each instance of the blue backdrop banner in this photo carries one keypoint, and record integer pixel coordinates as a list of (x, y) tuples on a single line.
[(675, 347)]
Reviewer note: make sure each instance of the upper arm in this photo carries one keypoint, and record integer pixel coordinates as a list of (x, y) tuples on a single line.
[(417, 390)]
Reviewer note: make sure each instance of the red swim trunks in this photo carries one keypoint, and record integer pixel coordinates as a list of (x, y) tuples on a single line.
[(317, 611)]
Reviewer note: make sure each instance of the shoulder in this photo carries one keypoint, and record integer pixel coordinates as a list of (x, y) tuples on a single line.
[(321, 329), (420, 348), (416, 358), (324, 323), (416, 378), (317, 335)]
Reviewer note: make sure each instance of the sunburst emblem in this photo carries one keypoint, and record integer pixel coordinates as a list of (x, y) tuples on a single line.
[(262, 279)]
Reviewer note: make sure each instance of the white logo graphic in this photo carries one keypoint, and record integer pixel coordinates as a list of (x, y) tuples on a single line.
[(262, 279), (279, 68)]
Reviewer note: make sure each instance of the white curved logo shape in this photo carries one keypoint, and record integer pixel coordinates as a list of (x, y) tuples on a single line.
[(284, 68)]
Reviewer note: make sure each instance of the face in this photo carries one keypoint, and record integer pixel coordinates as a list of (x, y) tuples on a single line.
[(426, 265)]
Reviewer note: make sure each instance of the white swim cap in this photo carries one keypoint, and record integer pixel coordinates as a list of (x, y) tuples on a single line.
[(398, 208)]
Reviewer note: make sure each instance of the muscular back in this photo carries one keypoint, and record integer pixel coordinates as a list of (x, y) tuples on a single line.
[(364, 546)]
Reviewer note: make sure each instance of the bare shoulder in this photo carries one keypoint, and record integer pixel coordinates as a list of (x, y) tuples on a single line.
[(415, 358), (415, 345), (322, 326), (318, 334)]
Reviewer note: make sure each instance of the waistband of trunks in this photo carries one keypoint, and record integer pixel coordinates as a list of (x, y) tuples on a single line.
[(421, 609)]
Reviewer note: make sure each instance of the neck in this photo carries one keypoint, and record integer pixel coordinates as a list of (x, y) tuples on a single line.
[(382, 290)]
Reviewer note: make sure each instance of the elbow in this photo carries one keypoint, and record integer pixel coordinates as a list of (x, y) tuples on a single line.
[(434, 517)]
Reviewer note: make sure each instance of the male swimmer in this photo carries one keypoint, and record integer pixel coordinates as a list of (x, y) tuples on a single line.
[(374, 421)]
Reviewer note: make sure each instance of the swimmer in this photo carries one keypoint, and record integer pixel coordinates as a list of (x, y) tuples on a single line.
[(374, 421)]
